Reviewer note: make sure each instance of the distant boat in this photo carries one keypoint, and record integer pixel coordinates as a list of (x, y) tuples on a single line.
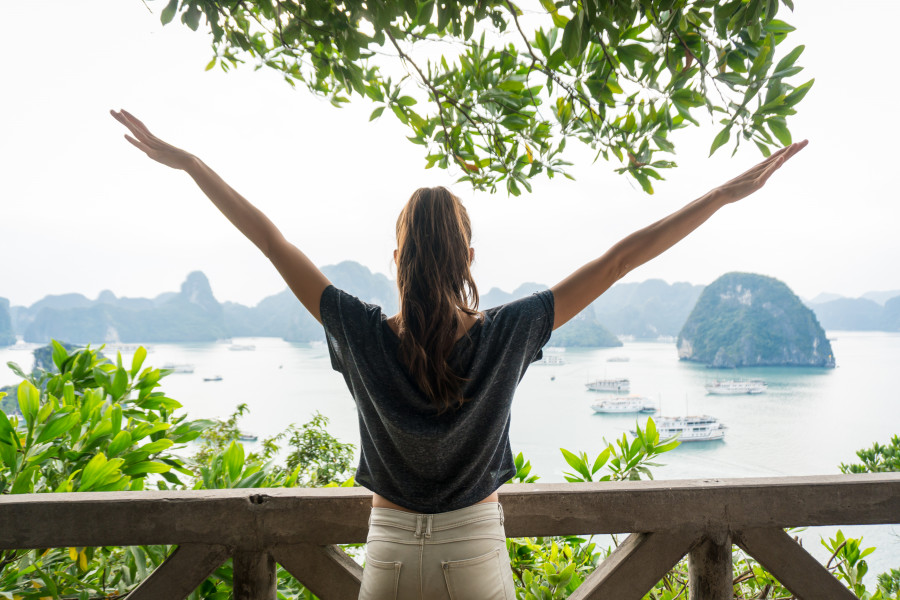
[(618, 359), (624, 404), (247, 437), (734, 387), (213, 378), (609, 385), (242, 347), (551, 360), (689, 429), (178, 368)]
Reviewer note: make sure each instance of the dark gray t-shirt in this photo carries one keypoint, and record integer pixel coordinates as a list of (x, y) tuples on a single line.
[(411, 455)]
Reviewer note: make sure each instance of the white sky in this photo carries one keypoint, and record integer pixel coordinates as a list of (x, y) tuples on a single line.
[(82, 211)]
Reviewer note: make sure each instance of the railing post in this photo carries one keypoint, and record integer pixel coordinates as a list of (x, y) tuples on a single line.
[(254, 576), (710, 569)]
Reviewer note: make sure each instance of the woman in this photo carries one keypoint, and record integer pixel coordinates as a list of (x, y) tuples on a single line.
[(433, 384)]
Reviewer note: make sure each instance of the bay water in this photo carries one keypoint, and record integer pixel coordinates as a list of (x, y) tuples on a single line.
[(806, 423)]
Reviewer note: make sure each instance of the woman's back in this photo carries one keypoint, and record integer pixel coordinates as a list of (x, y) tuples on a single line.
[(414, 454)]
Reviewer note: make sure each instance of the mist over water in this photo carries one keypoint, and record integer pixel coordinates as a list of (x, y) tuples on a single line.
[(807, 423)]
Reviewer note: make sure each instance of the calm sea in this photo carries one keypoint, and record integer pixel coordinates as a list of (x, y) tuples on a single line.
[(807, 423)]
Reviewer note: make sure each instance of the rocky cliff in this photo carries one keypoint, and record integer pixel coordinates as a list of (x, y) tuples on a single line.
[(743, 319)]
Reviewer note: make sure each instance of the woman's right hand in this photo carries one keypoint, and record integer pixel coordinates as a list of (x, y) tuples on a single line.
[(151, 145)]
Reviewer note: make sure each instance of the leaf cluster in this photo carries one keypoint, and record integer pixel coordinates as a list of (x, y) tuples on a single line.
[(510, 87)]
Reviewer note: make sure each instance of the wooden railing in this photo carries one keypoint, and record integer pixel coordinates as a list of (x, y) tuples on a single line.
[(298, 529)]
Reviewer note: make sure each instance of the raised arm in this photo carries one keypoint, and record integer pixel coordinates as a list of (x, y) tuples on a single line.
[(582, 287), (302, 276)]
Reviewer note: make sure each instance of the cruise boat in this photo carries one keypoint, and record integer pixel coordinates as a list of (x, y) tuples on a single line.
[(238, 347), (624, 404), (618, 359), (609, 385), (733, 387), (551, 359), (178, 368), (213, 378), (689, 429)]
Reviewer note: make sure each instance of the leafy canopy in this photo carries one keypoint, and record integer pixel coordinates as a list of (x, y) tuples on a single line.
[(510, 84)]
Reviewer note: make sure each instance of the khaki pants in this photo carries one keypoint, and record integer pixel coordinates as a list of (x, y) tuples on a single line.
[(457, 555)]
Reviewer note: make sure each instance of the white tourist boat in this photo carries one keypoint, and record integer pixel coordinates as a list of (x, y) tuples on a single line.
[(618, 359), (551, 359), (609, 385), (179, 368), (689, 429), (733, 387), (624, 404), (238, 347)]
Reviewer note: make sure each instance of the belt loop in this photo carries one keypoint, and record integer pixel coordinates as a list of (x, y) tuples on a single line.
[(418, 526), (429, 519), (500, 507)]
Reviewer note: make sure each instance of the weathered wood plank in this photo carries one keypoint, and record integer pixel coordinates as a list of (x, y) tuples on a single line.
[(635, 566), (326, 570), (254, 576), (183, 570), (710, 569), (339, 515), (791, 564)]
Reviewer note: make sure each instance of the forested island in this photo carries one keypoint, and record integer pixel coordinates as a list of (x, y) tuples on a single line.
[(744, 319)]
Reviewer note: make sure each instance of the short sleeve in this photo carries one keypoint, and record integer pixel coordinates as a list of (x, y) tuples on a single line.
[(543, 315), (335, 336)]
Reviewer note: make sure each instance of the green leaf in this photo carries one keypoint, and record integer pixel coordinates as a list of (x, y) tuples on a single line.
[(168, 13), (790, 58), (121, 442), (29, 401), (798, 93), (571, 42), (59, 424), (406, 101), (138, 360), (144, 467), (601, 460), (59, 355), (779, 130), (233, 458), (376, 113), (576, 463), (721, 139)]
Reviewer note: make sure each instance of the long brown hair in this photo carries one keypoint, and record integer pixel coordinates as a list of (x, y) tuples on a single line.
[(433, 236)]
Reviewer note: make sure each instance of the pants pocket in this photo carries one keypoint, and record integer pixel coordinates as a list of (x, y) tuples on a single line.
[(380, 580), (481, 577)]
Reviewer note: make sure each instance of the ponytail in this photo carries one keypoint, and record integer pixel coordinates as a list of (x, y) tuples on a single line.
[(433, 236)]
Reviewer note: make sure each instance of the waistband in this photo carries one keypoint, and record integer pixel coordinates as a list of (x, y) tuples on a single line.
[(482, 511)]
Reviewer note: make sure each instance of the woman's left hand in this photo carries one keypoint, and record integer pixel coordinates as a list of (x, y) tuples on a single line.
[(151, 145)]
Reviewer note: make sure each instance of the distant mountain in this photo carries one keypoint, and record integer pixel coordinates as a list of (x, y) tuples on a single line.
[(496, 296), (881, 297), (584, 331), (648, 309), (743, 319), (825, 297), (7, 337), (850, 314), (191, 315)]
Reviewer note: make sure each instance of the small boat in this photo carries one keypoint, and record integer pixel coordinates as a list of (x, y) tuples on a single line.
[(178, 368), (733, 387), (690, 429), (618, 359), (624, 404), (551, 359), (242, 347), (247, 437), (609, 385), (213, 378)]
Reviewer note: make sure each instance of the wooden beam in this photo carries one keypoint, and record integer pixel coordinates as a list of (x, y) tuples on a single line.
[(181, 573), (254, 576), (260, 518), (326, 570), (793, 566), (635, 566), (710, 569)]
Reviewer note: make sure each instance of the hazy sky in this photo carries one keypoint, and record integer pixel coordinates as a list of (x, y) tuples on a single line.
[(81, 210)]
